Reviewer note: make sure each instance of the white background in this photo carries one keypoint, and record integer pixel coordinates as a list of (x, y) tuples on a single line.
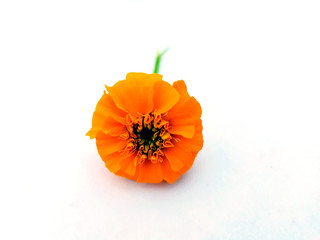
[(253, 65)]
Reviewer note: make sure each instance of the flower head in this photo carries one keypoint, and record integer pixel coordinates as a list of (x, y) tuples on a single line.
[(146, 129)]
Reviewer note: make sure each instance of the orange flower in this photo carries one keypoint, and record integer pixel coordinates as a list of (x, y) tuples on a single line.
[(146, 129)]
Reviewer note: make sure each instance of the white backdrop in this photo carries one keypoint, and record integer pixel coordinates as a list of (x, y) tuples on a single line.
[(253, 66)]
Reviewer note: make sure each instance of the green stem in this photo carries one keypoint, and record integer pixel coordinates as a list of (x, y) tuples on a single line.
[(158, 60)]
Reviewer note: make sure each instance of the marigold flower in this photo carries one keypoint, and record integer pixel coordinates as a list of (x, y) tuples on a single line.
[(146, 129)]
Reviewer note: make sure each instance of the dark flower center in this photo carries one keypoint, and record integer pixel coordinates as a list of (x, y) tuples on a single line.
[(148, 135)]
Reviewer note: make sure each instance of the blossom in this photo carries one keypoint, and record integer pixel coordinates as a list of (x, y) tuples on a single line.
[(146, 129)]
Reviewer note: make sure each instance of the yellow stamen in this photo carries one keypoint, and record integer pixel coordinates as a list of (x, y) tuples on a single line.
[(166, 136)]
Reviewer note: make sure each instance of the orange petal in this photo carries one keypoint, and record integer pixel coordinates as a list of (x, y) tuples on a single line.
[(191, 107), (139, 75), (177, 157), (168, 174), (125, 175), (107, 144), (186, 131), (188, 164), (97, 123), (194, 144), (181, 87), (182, 125), (128, 165), (135, 94), (183, 117), (165, 97), (105, 108), (112, 161), (92, 133), (150, 173), (113, 127)]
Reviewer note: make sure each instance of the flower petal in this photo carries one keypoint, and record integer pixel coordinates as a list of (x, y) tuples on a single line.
[(112, 161), (165, 97), (195, 143), (168, 174), (107, 144), (177, 157), (128, 164), (105, 108), (113, 127), (182, 118), (188, 164), (125, 175), (150, 173), (191, 108), (135, 94), (186, 131), (181, 87)]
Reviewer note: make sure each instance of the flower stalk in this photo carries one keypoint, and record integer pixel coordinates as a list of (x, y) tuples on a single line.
[(158, 60)]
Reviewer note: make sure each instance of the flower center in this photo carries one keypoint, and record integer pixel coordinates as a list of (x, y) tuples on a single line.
[(147, 136)]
